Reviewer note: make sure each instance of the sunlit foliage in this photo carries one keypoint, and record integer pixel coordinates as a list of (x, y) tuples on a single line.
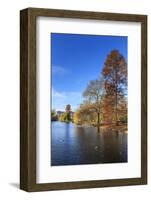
[(106, 98)]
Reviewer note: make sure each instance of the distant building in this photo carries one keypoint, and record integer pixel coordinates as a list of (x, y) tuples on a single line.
[(59, 113)]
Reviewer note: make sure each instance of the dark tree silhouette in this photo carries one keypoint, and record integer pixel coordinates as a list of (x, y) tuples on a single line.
[(68, 108)]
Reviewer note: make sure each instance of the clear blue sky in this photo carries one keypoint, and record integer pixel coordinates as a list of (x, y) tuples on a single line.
[(75, 60)]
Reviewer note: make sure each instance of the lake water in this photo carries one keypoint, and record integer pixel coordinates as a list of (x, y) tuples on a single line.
[(74, 145)]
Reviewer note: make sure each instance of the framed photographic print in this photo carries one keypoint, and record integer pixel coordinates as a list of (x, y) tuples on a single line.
[(83, 99)]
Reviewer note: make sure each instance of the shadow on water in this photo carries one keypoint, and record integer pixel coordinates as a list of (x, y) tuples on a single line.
[(72, 145), (98, 129)]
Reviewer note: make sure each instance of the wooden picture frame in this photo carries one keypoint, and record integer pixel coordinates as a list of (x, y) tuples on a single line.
[(28, 98)]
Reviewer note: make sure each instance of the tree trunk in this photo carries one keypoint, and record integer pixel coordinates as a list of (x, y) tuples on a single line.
[(98, 123), (98, 119)]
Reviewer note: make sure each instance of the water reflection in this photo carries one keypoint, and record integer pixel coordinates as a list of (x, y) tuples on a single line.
[(73, 145)]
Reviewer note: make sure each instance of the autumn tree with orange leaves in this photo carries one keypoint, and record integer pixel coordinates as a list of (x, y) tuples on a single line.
[(106, 97), (115, 85)]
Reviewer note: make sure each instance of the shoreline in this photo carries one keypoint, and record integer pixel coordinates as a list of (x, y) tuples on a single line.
[(121, 127)]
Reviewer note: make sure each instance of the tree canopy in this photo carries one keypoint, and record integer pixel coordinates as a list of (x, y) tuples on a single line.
[(105, 98)]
